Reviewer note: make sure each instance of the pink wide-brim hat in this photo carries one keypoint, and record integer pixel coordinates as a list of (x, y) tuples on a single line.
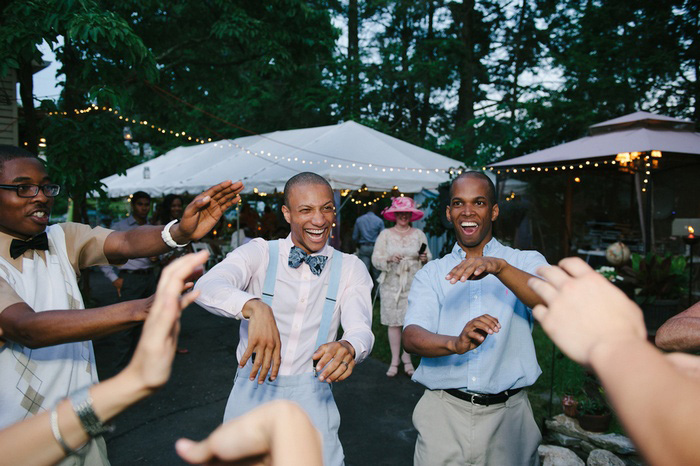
[(402, 204)]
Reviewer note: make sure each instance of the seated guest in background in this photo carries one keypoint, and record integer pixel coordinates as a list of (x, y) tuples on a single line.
[(46, 353), (656, 396), (681, 332), (469, 319), (292, 295), (280, 432)]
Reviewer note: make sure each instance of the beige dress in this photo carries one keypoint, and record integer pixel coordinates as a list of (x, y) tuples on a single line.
[(396, 278)]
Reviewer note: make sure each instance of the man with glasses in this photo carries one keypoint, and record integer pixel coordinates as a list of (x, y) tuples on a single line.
[(45, 352)]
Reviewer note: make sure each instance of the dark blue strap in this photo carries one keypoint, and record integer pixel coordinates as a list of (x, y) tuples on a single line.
[(331, 295), (271, 274)]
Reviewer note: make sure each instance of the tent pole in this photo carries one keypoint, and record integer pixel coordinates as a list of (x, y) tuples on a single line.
[(568, 200), (640, 207)]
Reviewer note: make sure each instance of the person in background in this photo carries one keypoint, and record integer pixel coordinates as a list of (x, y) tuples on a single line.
[(134, 280), (171, 209), (656, 396), (364, 234), (399, 253), (268, 223), (278, 433)]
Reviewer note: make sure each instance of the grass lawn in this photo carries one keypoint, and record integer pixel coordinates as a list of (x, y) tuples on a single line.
[(567, 376)]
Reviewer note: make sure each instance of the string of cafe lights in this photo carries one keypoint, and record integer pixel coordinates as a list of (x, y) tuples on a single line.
[(330, 160), (333, 161), (365, 203), (626, 161), (126, 119)]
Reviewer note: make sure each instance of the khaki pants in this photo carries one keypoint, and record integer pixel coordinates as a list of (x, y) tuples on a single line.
[(456, 432)]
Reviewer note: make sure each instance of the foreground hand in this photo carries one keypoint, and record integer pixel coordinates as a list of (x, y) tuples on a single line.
[(276, 433), (395, 258), (337, 359), (475, 332), (475, 269), (205, 210), (583, 309), (152, 360), (263, 340)]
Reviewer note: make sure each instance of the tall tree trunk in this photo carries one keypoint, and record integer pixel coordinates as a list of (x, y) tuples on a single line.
[(464, 15), (353, 59), (25, 77), (517, 62), (427, 85), (72, 100)]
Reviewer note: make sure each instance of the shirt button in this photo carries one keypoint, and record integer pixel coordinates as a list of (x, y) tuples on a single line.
[(473, 379), (475, 350), (476, 297), (302, 300)]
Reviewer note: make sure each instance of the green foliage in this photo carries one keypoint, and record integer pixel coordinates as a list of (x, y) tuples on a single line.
[(81, 152), (656, 276), (595, 406)]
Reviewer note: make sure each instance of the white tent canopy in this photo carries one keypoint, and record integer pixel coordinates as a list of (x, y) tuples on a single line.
[(348, 155)]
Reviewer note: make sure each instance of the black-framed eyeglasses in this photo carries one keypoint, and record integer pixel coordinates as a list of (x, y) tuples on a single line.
[(31, 190)]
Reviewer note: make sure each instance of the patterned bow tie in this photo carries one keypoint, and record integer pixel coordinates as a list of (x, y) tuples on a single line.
[(316, 263), (18, 247)]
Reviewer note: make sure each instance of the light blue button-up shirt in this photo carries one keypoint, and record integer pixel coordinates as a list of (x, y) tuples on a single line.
[(505, 360)]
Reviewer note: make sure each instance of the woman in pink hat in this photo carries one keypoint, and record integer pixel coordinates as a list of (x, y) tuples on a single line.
[(399, 253)]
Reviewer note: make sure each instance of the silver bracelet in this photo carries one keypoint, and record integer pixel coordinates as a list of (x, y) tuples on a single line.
[(82, 405), (57, 434), (168, 239)]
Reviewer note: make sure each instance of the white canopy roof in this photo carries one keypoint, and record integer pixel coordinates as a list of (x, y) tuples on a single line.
[(636, 132), (348, 155)]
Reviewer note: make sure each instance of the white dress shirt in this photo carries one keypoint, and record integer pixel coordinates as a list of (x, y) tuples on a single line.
[(298, 300)]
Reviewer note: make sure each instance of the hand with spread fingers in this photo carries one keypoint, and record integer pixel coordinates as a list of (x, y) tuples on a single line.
[(263, 341), (337, 359), (152, 360), (475, 333), (475, 268), (205, 210), (582, 309)]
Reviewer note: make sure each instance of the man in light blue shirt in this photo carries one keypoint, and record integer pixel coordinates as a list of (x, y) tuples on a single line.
[(364, 234), (469, 318)]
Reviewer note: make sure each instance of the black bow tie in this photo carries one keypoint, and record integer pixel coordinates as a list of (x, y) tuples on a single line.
[(17, 247)]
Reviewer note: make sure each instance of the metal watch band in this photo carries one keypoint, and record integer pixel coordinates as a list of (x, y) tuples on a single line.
[(82, 405)]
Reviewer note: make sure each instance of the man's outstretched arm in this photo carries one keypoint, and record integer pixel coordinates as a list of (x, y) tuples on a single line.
[(422, 342), (681, 332), (596, 325), (200, 216), (21, 324), (513, 278)]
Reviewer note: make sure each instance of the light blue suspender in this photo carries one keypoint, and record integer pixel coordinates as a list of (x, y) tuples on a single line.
[(271, 274), (331, 293)]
